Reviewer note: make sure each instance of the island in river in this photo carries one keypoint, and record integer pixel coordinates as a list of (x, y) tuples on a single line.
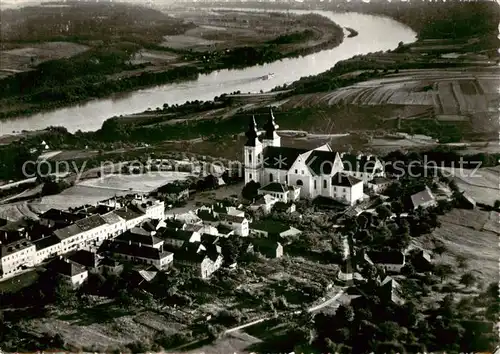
[(43, 70)]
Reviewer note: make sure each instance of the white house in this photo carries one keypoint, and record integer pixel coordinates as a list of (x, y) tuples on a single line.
[(16, 255), (239, 224), (346, 188), (132, 215), (379, 184), (265, 203), (73, 273), (265, 228), (281, 191), (116, 224), (47, 247), (158, 257), (423, 199), (153, 208), (391, 261), (310, 171), (83, 233)]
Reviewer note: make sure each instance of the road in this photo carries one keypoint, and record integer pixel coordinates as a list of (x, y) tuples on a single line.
[(311, 309)]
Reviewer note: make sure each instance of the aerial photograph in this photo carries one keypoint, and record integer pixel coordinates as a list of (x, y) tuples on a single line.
[(250, 176)]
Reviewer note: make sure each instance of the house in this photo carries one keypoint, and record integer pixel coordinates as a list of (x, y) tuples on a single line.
[(55, 218), (267, 247), (202, 229), (132, 216), (264, 202), (16, 253), (284, 208), (133, 252), (88, 260), (47, 247), (71, 272), (346, 188), (239, 223), (347, 272), (379, 184), (423, 199), (466, 201), (152, 208), (421, 261), (140, 278), (208, 240), (391, 261), (173, 191), (206, 259), (390, 291), (224, 231), (281, 191), (140, 237), (116, 224), (111, 266), (309, 171), (176, 238), (94, 229), (271, 228)]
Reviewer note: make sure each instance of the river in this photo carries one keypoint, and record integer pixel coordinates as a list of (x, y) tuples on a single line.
[(376, 33)]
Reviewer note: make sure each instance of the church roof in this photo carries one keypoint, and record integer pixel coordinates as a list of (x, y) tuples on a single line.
[(270, 126), (344, 180), (281, 158), (321, 162), (252, 133)]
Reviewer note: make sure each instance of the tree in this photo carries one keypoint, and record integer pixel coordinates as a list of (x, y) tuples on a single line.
[(443, 271), (344, 314), (468, 279), (462, 261), (383, 212), (210, 182), (250, 190), (65, 296), (397, 207), (440, 248), (496, 205), (389, 330)]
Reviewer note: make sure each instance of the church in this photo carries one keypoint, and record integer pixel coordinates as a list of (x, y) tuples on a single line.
[(317, 172)]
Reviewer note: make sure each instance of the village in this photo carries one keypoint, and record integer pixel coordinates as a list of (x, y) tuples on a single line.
[(310, 231)]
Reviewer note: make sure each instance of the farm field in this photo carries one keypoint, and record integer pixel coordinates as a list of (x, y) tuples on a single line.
[(102, 326), (94, 190), (483, 185), (17, 211), (452, 95), (469, 233), (25, 58)]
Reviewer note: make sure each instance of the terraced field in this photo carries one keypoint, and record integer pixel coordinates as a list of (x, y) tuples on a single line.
[(445, 95)]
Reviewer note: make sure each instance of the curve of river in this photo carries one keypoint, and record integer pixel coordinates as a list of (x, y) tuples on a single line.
[(376, 33)]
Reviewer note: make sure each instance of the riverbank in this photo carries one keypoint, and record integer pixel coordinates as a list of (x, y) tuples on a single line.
[(200, 48)]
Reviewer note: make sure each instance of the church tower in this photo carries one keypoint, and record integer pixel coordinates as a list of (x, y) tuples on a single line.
[(271, 138), (252, 153)]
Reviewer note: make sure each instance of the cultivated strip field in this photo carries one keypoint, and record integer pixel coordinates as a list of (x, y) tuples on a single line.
[(467, 233), (482, 185), (462, 95)]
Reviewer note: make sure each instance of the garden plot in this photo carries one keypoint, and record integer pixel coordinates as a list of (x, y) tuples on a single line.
[(143, 183)]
